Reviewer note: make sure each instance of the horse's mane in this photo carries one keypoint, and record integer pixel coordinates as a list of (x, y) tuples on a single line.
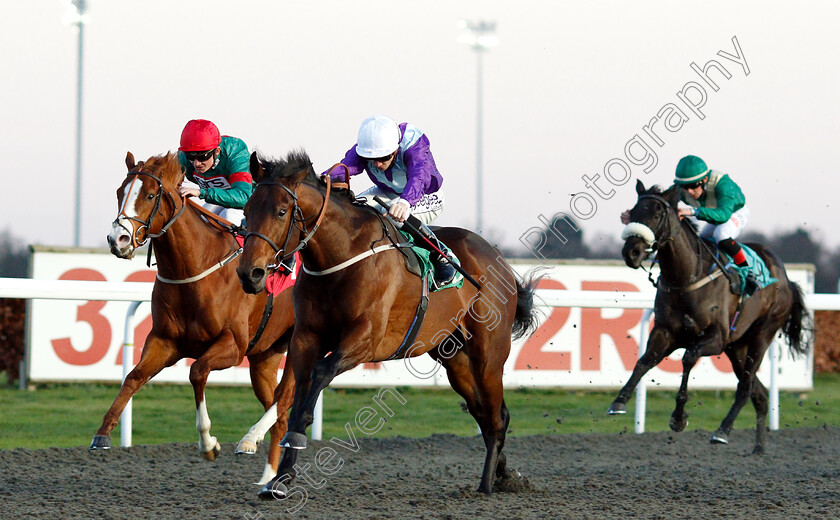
[(657, 190), (166, 166), (294, 162)]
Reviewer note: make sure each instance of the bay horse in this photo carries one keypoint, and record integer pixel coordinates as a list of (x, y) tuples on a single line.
[(355, 302), (695, 309), (199, 310)]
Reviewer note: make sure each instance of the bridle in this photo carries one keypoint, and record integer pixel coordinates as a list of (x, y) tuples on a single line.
[(280, 254), (669, 237), (146, 225), (663, 237)]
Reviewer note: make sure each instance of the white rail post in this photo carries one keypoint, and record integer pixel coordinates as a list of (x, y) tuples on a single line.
[(774, 385), (641, 388), (127, 365), (318, 418)]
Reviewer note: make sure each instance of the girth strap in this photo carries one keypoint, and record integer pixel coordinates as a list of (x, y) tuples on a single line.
[(419, 314)]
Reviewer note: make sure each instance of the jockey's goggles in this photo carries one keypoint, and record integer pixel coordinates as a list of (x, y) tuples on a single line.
[(385, 158), (199, 156), (693, 185)]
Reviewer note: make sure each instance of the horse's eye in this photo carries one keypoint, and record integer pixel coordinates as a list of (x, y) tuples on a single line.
[(281, 213), (150, 196)]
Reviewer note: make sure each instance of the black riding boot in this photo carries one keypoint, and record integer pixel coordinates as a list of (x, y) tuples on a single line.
[(734, 250), (750, 284), (444, 272)]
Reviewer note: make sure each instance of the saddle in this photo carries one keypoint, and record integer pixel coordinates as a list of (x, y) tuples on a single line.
[(737, 275)]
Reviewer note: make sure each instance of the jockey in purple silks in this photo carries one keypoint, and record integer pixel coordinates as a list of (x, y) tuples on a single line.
[(398, 160)]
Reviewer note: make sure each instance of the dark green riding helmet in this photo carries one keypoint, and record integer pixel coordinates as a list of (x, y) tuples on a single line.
[(691, 169)]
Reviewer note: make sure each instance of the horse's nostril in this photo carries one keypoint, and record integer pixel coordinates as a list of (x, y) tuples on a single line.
[(257, 274)]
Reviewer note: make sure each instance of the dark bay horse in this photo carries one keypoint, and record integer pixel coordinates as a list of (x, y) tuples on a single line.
[(199, 310), (354, 307), (695, 309)]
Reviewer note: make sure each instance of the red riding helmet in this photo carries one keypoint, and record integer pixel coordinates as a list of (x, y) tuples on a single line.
[(200, 135)]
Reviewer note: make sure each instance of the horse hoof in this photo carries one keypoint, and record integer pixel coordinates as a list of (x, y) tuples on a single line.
[(212, 454), (100, 442), (293, 440), (719, 438), (678, 425), (246, 448), (617, 408), (273, 491)]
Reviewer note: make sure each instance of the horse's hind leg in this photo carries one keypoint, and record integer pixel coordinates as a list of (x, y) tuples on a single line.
[(222, 354), (745, 363), (463, 382), (660, 344), (760, 401), (484, 361), (157, 354)]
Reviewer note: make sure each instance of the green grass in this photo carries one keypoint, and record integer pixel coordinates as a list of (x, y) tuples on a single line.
[(66, 415)]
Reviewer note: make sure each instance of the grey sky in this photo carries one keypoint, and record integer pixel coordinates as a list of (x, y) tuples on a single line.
[(569, 85)]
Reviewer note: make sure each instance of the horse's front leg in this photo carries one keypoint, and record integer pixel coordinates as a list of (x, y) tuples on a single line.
[(303, 411), (710, 345), (302, 357), (223, 353), (660, 344), (157, 354)]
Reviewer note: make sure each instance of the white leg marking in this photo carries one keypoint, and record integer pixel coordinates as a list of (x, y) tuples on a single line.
[(256, 434), (206, 442), (268, 474)]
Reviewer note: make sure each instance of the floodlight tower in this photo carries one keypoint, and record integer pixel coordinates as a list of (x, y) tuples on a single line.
[(480, 36), (76, 16)]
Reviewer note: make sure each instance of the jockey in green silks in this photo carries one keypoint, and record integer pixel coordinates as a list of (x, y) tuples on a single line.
[(218, 168), (715, 199)]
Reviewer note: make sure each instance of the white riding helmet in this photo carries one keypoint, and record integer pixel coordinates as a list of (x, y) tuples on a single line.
[(378, 136)]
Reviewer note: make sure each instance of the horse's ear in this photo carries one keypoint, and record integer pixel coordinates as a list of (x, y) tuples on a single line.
[(300, 175), (672, 195), (257, 171), (129, 161), (640, 187)]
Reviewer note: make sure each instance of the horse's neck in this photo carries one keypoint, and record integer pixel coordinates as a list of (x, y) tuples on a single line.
[(189, 246), (678, 259), (345, 231)]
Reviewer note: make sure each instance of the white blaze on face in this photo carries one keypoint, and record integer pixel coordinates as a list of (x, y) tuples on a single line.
[(122, 225)]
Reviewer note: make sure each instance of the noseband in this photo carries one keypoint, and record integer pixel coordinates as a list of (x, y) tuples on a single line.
[(657, 239), (280, 254), (135, 242)]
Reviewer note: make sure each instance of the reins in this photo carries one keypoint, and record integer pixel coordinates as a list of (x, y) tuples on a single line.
[(297, 217), (211, 218), (696, 280)]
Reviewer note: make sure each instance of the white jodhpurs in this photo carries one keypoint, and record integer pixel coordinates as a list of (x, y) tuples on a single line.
[(428, 208), (732, 228), (235, 216)]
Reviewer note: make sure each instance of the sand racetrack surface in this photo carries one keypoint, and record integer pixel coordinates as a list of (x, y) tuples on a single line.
[(660, 475)]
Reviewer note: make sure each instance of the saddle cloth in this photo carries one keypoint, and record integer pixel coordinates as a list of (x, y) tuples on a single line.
[(426, 266), (755, 264)]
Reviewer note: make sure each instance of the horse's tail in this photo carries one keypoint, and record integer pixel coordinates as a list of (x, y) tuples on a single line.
[(526, 319), (798, 326)]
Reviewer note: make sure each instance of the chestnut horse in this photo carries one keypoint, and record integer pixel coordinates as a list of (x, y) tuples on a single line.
[(355, 301), (694, 309), (199, 310)]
